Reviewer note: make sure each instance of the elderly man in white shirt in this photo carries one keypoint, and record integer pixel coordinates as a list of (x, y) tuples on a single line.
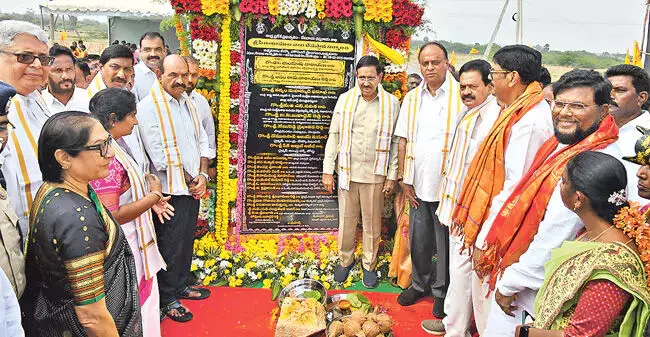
[(630, 89), (201, 103), (479, 113), (178, 148), (25, 65), (581, 123), (152, 52), (61, 93), (426, 126)]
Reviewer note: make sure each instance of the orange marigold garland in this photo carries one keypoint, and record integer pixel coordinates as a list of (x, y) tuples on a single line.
[(632, 222)]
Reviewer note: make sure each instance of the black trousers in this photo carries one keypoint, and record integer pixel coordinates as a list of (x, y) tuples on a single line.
[(175, 242), (428, 238)]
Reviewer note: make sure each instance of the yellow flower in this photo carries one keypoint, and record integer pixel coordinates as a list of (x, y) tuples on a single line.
[(316, 277), (194, 267), (327, 285), (266, 284), (200, 253), (227, 271)]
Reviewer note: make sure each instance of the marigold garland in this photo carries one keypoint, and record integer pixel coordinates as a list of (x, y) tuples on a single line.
[(632, 222), (378, 10), (210, 7), (181, 35)]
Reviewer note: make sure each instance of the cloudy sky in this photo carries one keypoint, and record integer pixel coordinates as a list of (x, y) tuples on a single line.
[(596, 25)]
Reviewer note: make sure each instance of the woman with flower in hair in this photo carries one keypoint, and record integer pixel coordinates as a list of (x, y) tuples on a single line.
[(596, 285)]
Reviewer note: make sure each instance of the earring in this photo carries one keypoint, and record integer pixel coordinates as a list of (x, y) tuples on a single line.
[(575, 206)]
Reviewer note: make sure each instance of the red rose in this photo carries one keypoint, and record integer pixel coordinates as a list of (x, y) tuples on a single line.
[(235, 57), (233, 161), (233, 137), (234, 90)]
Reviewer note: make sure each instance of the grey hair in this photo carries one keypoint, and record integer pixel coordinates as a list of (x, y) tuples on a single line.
[(9, 29)]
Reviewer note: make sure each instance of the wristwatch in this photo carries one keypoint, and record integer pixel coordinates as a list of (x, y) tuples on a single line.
[(207, 177), (523, 330)]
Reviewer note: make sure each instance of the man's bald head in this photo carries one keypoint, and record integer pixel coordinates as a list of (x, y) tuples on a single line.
[(175, 75)]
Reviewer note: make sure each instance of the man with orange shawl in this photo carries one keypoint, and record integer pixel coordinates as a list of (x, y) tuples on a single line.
[(502, 159), (533, 221)]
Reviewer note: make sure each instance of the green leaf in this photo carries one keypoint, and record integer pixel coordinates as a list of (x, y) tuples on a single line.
[(275, 289)]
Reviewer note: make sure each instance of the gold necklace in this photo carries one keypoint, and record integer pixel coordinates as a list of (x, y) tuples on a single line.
[(76, 189), (601, 233)]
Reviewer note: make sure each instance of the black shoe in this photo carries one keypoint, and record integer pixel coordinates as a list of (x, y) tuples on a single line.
[(369, 279), (410, 296), (439, 307), (341, 273)]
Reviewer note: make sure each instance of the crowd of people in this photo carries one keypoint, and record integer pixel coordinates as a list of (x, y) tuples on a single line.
[(104, 165), (522, 195)]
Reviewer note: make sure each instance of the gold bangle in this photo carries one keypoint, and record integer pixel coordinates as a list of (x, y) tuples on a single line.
[(160, 196)]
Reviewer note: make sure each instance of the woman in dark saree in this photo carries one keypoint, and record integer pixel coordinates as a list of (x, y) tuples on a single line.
[(81, 278)]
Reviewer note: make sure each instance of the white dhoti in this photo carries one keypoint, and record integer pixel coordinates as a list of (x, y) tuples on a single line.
[(501, 325), (466, 294)]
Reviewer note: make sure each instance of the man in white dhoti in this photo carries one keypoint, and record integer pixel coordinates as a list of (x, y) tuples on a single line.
[(25, 65), (478, 115), (630, 88)]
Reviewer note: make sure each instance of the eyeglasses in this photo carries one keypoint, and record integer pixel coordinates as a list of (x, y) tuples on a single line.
[(367, 79), (558, 106), (26, 58), (492, 72), (102, 148)]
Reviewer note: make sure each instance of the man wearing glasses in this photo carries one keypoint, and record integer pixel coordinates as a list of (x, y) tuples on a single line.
[(507, 152), (534, 220), (361, 142), (25, 65), (630, 88)]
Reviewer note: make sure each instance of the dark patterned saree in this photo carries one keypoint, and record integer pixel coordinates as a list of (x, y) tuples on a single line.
[(76, 255)]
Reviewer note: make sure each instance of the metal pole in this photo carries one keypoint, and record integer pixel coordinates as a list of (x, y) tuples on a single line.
[(520, 22), (646, 38), (52, 23), (496, 30)]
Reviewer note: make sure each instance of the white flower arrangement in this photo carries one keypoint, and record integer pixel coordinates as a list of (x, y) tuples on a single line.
[(296, 7), (205, 53), (235, 46), (393, 68)]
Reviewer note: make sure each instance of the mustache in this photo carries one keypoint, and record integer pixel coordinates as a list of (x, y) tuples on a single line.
[(179, 85), (467, 97), (118, 79), (153, 58)]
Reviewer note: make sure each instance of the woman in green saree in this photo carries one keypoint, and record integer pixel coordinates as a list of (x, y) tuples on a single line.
[(596, 285), (81, 277)]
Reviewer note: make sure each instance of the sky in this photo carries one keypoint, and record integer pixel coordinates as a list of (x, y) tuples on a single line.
[(596, 25)]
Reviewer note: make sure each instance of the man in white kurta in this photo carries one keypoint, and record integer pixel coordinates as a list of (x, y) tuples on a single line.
[(178, 148), (152, 51), (361, 141), (517, 287), (479, 114), (426, 126), (27, 112), (61, 93), (630, 88)]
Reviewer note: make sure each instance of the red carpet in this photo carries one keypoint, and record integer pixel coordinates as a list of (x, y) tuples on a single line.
[(243, 312)]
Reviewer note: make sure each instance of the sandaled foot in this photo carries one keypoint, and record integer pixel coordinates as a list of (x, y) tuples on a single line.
[(177, 312), (192, 293)]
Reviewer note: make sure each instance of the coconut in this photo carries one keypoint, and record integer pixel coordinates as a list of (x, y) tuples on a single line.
[(371, 328), (351, 327)]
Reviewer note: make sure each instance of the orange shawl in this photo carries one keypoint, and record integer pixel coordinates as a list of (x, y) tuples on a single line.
[(518, 220), (486, 173)]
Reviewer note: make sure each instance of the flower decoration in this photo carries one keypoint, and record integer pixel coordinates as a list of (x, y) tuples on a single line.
[(186, 6), (396, 39), (407, 13), (337, 9), (378, 10), (254, 6), (210, 7), (632, 222), (202, 31), (274, 9), (181, 34), (617, 198), (205, 53)]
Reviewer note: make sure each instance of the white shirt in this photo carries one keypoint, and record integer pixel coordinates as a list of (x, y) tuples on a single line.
[(627, 137), (462, 153), (429, 141), (9, 309), (205, 113), (144, 78), (526, 137), (190, 151), (78, 102), (559, 224)]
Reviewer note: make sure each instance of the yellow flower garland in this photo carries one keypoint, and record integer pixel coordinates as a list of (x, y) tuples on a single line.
[(378, 10), (181, 35), (210, 7), (224, 184)]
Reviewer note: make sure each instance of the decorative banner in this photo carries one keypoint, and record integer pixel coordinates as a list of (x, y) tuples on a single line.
[(295, 79)]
